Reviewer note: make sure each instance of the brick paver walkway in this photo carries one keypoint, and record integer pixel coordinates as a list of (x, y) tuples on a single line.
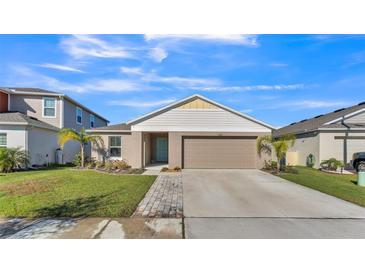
[(164, 199)]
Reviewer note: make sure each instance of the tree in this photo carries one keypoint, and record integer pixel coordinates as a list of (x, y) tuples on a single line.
[(280, 145), (67, 134), (11, 158)]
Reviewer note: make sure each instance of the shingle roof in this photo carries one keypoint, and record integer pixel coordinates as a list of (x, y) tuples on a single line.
[(122, 126), (37, 90), (20, 118), (318, 121), (51, 93)]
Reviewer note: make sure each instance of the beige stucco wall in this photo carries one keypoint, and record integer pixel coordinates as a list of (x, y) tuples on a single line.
[(333, 148), (131, 148), (175, 145), (31, 105), (302, 148)]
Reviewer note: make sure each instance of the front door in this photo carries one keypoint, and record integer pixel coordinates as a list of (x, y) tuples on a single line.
[(161, 151)]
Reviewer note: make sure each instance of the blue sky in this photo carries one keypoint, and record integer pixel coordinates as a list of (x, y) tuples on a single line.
[(276, 78)]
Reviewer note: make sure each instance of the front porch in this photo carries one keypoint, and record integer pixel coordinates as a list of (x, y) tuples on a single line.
[(155, 149)]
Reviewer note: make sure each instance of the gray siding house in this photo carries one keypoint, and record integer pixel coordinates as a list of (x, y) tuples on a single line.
[(337, 134), (31, 118)]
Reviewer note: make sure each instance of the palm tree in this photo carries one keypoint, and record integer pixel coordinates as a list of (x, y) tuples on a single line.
[(281, 146), (11, 158), (68, 134)]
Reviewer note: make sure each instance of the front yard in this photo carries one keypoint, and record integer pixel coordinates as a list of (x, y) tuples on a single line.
[(340, 186), (66, 192)]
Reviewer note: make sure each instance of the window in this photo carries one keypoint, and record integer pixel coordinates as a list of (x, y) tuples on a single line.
[(79, 115), (115, 146), (92, 121), (49, 107), (2, 139)]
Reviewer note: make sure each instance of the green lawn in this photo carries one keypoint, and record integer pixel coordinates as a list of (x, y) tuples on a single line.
[(341, 186), (70, 193)]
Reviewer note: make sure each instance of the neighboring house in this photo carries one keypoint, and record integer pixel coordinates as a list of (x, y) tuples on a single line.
[(333, 135), (192, 133), (31, 118)]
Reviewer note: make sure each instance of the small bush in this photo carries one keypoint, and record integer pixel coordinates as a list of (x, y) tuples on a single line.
[(331, 164), (109, 165), (310, 161), (13, 158), (121, 164), (99, 164), (177, 168), (164, 169), (270, 165), (77, 160)]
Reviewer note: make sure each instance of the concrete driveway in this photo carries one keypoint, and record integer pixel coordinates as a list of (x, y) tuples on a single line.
[(254, 204)]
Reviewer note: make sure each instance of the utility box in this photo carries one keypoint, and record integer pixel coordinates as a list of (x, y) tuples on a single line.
[(59, 156), (361, 176)]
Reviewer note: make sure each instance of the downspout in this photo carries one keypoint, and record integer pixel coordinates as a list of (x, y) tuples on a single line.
[(62, 118), (345, 140)]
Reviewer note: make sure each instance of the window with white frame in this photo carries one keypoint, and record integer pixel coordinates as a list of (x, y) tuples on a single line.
[(3, 139), (79, 115), (115, 146), (49, 107), (92, 121)]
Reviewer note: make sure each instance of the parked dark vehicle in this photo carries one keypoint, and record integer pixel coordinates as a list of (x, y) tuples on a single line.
[(358, 161)]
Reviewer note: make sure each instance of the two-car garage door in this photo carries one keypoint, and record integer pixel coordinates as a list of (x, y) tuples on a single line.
[(219, 152)]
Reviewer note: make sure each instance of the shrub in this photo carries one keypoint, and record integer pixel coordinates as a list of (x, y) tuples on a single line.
[(177, 168), (99, 164), (109, 165), (13, 158), (310, 161), (331, 164), (164, 169), (270, 165), (121, 164), (91, 163), (77, 160)]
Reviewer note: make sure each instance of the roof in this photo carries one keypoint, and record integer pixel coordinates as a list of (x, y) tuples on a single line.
[(117, 127), (39, 91), (17, 118), (192, 98), (30, 90), (320, 121), (127, 126)]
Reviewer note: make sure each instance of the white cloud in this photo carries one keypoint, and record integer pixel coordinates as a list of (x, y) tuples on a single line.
[(234, 39), (176, 81), (142, 104), (131, 70), (61, 67), (158, 54), (317, 104), (251, 88), (80, 46), (247, 110), (278, 65), (32, 78)]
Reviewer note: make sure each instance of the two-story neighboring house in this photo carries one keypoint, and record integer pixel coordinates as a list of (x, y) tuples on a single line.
[(31, 118)]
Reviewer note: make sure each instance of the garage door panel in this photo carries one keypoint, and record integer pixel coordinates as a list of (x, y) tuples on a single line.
[(219, 153)]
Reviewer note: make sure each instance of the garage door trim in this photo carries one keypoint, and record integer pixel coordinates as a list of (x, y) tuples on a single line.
[(209, 137)]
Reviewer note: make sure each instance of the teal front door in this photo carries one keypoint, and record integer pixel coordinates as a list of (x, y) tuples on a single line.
[(161, 149)]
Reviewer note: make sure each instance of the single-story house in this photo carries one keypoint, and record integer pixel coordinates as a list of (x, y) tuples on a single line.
[(195, 132), (337, 134)]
